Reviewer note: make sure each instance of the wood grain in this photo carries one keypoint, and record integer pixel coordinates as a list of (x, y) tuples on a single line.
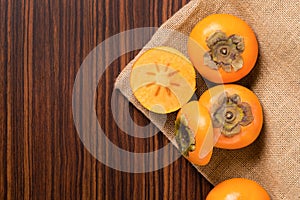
[(42, 45)]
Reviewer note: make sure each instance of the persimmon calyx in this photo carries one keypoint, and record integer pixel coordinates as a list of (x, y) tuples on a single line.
[(229, 113), (184, 136), (224, 51)]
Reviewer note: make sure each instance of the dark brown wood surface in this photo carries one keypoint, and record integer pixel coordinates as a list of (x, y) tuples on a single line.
[(42, 45)]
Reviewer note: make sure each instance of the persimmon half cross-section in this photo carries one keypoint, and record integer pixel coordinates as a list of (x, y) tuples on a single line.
[(163, 80)]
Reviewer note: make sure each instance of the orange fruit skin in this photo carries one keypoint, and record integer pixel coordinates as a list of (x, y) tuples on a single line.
[(248, 133), (200, 122), (229, 24), (238, 189)]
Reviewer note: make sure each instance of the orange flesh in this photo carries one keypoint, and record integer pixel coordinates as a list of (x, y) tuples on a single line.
[(163, 80)]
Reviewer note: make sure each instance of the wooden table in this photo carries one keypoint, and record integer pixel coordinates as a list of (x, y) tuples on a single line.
[(43, 44)]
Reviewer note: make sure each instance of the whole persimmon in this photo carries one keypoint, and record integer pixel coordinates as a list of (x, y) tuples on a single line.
[(194, 133), (223, 48), (236, 114), (238, 189)]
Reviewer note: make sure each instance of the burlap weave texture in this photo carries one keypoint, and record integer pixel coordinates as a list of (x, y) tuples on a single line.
[(273, 159)]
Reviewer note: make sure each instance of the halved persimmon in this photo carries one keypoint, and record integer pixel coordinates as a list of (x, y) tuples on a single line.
[(236, 114), (223, 48), (163, 80), (238, 189), (194, 133)]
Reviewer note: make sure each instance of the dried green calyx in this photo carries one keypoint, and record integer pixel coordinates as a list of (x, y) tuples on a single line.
[(224, 52), (184, 136), (229, 114)]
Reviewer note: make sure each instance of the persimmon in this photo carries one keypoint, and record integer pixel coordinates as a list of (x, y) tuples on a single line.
[(236, 114), (223, 48), (238, 189), (163, 79), (194, 133)]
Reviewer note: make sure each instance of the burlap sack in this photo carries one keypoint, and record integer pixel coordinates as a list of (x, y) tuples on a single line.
[(273, 160)]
